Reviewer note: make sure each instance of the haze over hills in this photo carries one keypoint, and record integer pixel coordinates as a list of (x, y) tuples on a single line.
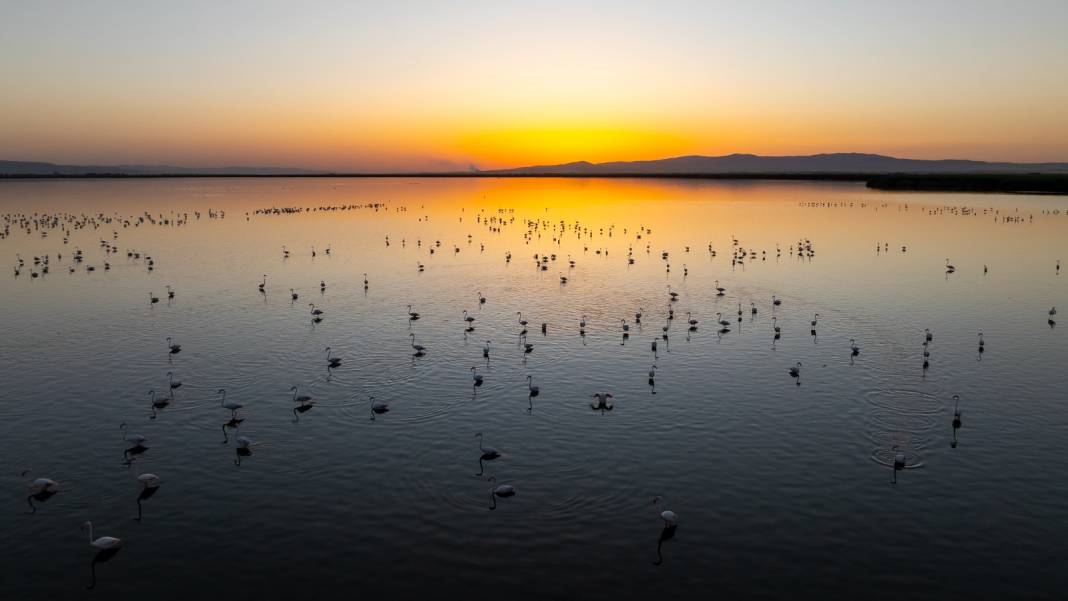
[(694, 165), (45, 169), (817, 163)]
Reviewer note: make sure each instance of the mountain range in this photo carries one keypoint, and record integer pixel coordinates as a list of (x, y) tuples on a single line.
[(755, 164), (694, 165)]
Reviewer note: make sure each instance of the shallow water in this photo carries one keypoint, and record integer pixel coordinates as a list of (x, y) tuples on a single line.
[(783, 490)]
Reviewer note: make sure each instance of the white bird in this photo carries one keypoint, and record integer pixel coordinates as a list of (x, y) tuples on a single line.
[(232, 406), (331, 361), (243, 442), (173, 384), (468, 318), (522, 321), (775, 301), (302, 399), (626, 327), (532, 389), (693, 321), (853, 347), (293, 294), (486, 349), (795, 371), (477, 377), (774, 324), (671, 519), (418, 347), (315, 311), (949, 268), (501, 490), (652, 372), (42, 484), (174, 348), (136, 439), (815, 318), (378, 407), (481, 299), (149, 480), (1053, 311), (104, 542), (927, 334), (413, 314), (264, 283), (487, 452), (604, 400)]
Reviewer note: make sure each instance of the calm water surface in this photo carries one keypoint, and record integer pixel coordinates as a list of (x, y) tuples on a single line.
[(782, 490)]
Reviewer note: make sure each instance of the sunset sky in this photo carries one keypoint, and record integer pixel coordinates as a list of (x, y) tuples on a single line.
[(447, 85)]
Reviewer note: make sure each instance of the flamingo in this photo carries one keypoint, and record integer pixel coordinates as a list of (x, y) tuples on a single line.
[(232, 406), (331, 361), (604, 401), (302, 399), (502, 490), (103, 543), (488, 453), (315, 311), (174, 348), (41, 485), (378, 407), (671, 519), (419, 349), (795, 371), (137, 439), (532, 389), (522, 321), (477, 377), (486, 349), (263, 283), (412, 315)]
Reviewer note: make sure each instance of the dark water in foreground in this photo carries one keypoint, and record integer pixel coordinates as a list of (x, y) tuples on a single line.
[(782, 490)]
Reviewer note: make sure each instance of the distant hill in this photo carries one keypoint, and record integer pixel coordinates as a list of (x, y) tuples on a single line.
[(35, 168), (754, 164)]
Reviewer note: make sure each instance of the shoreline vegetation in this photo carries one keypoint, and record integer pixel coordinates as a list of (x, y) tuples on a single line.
[(1017, 183)]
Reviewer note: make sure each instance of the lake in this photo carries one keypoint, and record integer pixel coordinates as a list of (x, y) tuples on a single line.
[(850, 479)]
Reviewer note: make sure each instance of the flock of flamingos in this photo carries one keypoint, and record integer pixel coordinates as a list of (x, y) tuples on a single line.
[(66, 225)]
